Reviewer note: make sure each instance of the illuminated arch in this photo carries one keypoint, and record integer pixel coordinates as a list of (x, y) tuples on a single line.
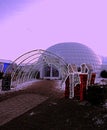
[(27, 66)]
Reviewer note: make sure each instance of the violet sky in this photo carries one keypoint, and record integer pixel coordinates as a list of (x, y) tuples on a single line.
[(37, 24)]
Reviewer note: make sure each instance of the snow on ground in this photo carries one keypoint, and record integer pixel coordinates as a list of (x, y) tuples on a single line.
[(25, 84), (28, 83), (19, 86)]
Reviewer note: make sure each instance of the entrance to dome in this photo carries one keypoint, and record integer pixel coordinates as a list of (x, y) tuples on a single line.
[(51, 72), (37, 64)]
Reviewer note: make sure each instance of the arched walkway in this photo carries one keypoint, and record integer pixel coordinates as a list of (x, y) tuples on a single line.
[(32, 65)]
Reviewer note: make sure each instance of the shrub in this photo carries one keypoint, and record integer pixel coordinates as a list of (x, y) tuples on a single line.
[(96, 94), (1, 75), (103, 74)]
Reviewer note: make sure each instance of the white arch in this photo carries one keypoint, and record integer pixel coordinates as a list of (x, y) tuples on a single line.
[(23, 68)]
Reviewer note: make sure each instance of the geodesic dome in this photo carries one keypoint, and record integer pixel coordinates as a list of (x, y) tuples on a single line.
[(76, 53)]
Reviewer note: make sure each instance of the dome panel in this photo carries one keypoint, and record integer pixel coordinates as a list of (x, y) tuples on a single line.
[(75, 53)]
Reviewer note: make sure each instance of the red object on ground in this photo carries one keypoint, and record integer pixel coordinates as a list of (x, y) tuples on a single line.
[(67, 91), (77, 92), (80, 89), (93, 78)]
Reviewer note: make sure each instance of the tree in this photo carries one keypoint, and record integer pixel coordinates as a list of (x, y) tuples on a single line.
[(103, 74)]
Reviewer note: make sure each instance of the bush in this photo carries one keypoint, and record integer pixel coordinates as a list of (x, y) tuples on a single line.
[(103, 74), (96, 94), (1, 75)]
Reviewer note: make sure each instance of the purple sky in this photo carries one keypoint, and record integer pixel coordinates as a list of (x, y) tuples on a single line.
[(38, 24)]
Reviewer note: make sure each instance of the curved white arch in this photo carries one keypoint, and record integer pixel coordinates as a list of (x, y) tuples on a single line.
[(29, 64)]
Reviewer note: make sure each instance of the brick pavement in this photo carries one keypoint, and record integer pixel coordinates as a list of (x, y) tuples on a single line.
[(18, 105)]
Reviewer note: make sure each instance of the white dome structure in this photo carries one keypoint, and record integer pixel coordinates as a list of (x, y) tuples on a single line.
[(76, 53)]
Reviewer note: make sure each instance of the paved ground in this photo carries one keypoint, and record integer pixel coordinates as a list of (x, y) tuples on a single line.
[(14, 104), (55, 112), (18, 105)]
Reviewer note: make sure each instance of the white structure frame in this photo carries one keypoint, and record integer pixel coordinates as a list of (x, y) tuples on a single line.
[(28, 65)]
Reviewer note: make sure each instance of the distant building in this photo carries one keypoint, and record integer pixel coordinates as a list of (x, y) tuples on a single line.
[(4, 64), (104, 60), (104, 63)]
